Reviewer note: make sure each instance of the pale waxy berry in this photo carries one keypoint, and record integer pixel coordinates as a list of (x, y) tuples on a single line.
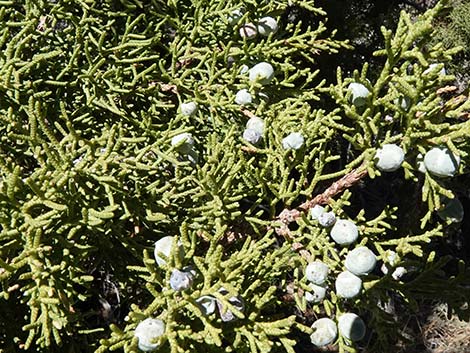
[(348, 285), (184, 142), (392, 259), (188, 109), (359, 94), (441, 162), (248, 31), (235, 16), (420, 163), (351, 326), (403, 102), (293, 141), (267, 25), (164, 246), (360, 261), (148, 332), (181, 280), (327, 219), (317, 272), (244, 69), (251, 136), (344, 232), (256, 124), (325, 332), (389, 157), (237, 301), (442, 71), (262, 73), (316, 294), (243, 97), (207, 304), (317, 211)]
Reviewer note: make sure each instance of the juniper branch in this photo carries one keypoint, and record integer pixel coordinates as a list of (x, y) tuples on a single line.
[(288, 216)]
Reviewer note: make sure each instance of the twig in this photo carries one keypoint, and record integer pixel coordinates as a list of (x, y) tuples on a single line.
[(288, 216), (446, 89), (248, 113), (249, 149)]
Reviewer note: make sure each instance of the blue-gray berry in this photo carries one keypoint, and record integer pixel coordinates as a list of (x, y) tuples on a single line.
[(360, 261), (262, 73), (207, 304), (325, 332), (317, 272), (389, 158), (243, 97), (267, 25), (251, 136), (256, 124), (451, 210), (181, 280), (359, 94), (344, 232), (237, 301), (188, 109), (327, 219), (293, 141), (441, 162), (147, 331), (351, 326), (348, 285)]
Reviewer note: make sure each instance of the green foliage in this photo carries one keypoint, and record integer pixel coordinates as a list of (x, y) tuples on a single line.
[(249, 272), (89, 103), (456, 29), (453, 30)]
